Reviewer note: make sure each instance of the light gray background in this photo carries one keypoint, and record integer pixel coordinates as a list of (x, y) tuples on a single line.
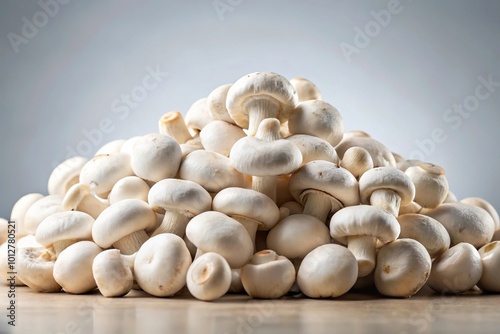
[(63, 81)]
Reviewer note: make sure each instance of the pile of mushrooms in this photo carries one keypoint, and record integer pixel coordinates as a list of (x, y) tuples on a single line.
[(256, 190)]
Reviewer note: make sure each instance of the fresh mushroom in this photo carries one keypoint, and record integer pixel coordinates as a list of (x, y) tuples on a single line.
[(484, 204), (306, 90), (431, 185), (360, 228), (265, 156), (114, 146), (5, 263), (380, 154), (216, 102), (327, 271), (198, 116), (490, 258), (19, 210), (267, 275), (40, 210), (313, 148), (113, 273), (403, 267), (79, 197), (128, 188), (212, 140), (209, 277), (65, 175), (357, 160), (172, 124), (35, 268), (260, 95)]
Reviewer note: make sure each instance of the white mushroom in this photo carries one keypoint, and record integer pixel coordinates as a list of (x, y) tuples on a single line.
[(113, 146), (80, 198), (216, 102), (357, 160), (198, 116), (212, 140), (490, 258), (209, 277), (172, 124), (313, 148), (431, 185), (65, 175), (127, 188), (380, 154), (40, 210), (35, 268), (19, 211), (113, 273), (306, 90), (484, 204), (7, 258)]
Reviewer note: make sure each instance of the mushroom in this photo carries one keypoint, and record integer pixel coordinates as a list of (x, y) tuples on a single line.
[(113, 273), (450, 198), (267, 275), (212, 231), (265, 156), (128, 144), (426, 230), (161, 265), (123, 224), (127, 188), (380, 154), (4, 230), (40, 210), (190, 146), (179, 201), (79, 197), (295, 236), (211, 170), (403, 165), (403, 267), (198, 116), (209, 277), (327, 271), (360, 227), (258, 96), (212, 140), (216, 102), (290, 208), (457, 270), (19, 210), (155, 157), (113, 146), (35, 268), (65, 175), (387, 188), (5, 263), (357, 160), (410, 208), (323, 188), (431, 186), (306, 90), (490, 258), (255, 211), (317, 118), (484, 204), (464, 223), (313, 148), (172, 124), (62, 229), (236, 285)]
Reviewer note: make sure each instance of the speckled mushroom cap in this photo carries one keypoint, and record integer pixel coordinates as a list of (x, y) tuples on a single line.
[(260, 85), (380, 154), (326, 177), (247, 203), (121, 219), (213, 231), (483, 204), (362, 220), (179, 195), (386, 178), (67, 225), (65, 175)]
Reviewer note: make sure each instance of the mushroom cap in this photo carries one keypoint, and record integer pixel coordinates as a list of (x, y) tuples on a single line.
[(260, 85), (112, 273), (216, 102), (313, 148), (248, 203), (75, 195), (65, 175), (380, 154), (297, 235), (257, 157), (40, 210), (490, 258), (464, 223), (484, 204), (198, 116), (213, 231), (457, 270), (183, 196), (212, 140), (306, 90), (127, 188), (431, 186), (155, 157), (121, 219), (362, 220), (326, 177), (113, 146), (35, 266), (211, 170), (128, 144), (67, 225), (327, 271), (209, 277), (389, 178), (317, 118), (403, 267), (267, 275), (161, 265), (426, 230), (103, 171), (357, 160), (19, 210), (73, 267)]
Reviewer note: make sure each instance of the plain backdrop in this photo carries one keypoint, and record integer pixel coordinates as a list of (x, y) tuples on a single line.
[(399, 70)]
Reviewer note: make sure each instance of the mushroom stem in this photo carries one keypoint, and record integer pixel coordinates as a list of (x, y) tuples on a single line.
[(318, 204), (62, 245), (364, 249), (131, 243), (386, 199), (173, 222), (265, 185), (251, 225), (172, 124), (91, 205), (258, 110)]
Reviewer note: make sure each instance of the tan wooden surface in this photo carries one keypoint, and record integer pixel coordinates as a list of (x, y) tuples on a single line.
[(352, 313)]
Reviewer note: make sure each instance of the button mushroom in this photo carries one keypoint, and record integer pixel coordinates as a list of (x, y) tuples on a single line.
[(212, 140), (357, 160), (113, 273), (80, 198), (380, 154), (128, 188), (65, 175), (490, 258), (431, 186), (35, 268), (306, 90), (313, 148), (198, 116), (484, 204), (172, 124), (216, 102), (19, 210), (40, 210), (209, 277)]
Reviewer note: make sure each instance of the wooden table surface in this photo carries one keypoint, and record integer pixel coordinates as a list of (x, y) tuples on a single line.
[(352, 313)]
